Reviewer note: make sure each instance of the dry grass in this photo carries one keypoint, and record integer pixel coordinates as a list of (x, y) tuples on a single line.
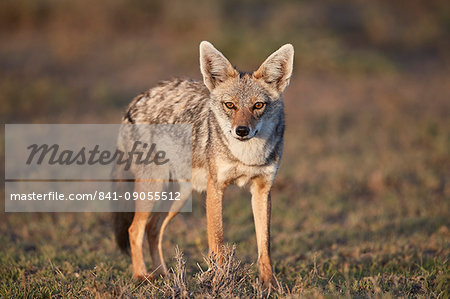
[(228, 279), (360, 207)]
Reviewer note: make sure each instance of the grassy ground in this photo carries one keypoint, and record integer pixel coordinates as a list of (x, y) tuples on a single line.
[(360, 208), (361, 205)]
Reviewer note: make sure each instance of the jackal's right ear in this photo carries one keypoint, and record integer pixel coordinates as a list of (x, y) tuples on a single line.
[(214, 66)]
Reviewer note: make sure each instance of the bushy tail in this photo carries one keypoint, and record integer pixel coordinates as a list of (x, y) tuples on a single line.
[(122, 220)]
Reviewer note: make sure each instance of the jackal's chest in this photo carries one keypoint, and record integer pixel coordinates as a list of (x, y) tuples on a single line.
[(199, 179), (240, 174), (231, 173)]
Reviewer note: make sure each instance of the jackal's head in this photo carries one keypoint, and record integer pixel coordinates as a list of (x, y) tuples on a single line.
[(246, 104)]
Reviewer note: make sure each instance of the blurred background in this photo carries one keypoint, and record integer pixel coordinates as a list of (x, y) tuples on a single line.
[(364, 183), (63, 61)]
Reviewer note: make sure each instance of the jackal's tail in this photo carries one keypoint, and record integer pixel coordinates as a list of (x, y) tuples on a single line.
[(122, 220)]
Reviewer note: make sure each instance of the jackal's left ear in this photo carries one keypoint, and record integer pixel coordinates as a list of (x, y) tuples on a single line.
[(214, 66), (277, 69)]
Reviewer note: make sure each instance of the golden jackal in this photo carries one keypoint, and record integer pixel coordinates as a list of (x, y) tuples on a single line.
[(237, 138)]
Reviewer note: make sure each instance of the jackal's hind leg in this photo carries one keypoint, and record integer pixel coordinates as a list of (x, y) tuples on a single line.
[(136, 233), (164, 224), (153, 232)]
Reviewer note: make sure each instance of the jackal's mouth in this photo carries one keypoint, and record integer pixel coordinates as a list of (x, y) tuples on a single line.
[(243, 138), (246, 138)]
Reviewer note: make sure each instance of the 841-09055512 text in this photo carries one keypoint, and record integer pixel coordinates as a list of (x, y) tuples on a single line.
[(97, 195)]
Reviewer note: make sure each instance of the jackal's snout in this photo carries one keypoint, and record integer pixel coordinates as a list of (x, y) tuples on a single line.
[(242, 131), (243, 124)]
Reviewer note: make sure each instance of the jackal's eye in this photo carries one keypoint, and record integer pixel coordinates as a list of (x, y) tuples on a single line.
[(230, 105), (258, 105)]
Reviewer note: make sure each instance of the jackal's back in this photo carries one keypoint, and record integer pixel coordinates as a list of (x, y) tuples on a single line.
[(175, 101), (170, 102)]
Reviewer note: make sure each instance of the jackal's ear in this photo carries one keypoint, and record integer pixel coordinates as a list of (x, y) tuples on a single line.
[(214, 66), (277, 69)]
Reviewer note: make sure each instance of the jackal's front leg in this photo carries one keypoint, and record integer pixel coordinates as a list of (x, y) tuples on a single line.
[(214, 196), (261, 213)]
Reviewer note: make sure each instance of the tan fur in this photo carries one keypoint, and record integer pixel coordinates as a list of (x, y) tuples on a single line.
[(214, 223), (136, 233), (220, 155), (261, 212)]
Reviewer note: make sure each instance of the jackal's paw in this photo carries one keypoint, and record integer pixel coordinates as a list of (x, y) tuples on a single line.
[(144, 277), (268, 280)]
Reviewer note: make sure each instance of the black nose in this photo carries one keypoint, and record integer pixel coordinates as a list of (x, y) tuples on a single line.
[(242, 131)]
